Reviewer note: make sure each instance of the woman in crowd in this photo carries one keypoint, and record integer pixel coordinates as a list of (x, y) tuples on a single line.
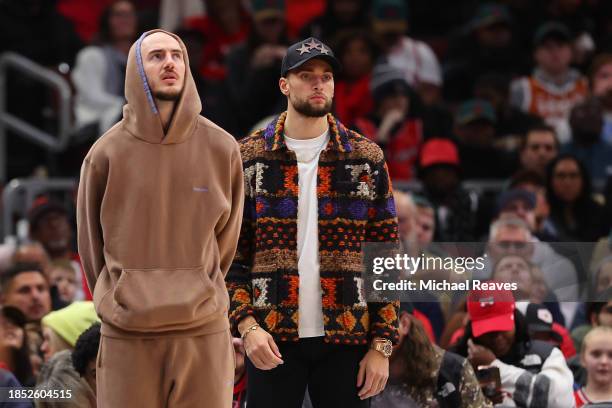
[(62, 328), (14, 351), (357, 52), (596, 358), (394, 123), (574, 212), (226, 24), (99, 73)]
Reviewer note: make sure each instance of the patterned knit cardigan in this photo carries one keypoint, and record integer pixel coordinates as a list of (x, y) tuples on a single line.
[(355, 205)]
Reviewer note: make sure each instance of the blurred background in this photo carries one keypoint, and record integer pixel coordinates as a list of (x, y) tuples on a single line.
[(495, 118), (504, 86)]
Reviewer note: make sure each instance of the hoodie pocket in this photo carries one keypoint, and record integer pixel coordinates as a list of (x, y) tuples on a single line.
[(163, 299)]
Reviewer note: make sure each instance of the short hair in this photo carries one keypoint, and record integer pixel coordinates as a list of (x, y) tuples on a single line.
[(20, 267), (510, 222), (86, 348), (540, 127)]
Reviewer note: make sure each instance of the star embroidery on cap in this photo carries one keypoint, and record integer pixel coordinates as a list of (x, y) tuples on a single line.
[(323, 49), (312, 44), (304, 48)]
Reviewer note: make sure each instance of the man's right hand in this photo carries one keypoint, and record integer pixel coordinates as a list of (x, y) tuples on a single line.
[(261, 348)]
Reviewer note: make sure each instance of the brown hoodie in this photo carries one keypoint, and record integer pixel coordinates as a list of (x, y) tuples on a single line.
[(159, 217)]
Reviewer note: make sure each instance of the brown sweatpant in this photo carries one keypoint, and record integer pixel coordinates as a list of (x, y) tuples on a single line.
[(172, 372)]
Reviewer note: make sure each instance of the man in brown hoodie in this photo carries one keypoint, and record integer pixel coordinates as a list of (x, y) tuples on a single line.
[(159, 213)]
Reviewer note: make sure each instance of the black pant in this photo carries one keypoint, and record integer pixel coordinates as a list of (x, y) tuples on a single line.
[(329, 370)]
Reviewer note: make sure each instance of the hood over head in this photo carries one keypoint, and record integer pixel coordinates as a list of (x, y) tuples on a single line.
[(140, 114)]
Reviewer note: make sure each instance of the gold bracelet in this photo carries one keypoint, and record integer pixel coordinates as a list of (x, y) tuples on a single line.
[(250, 329)]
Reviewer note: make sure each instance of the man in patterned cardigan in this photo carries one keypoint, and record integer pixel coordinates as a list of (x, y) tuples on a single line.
[(315, 193)]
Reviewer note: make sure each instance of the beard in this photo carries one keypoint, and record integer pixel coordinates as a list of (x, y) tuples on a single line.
[(168, 96), (305, 108)]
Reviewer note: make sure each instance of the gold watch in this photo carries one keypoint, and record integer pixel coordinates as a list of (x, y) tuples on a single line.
[(383, 346)]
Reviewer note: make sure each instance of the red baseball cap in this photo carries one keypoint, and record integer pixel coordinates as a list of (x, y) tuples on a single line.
[(491, 310), (439, 151)]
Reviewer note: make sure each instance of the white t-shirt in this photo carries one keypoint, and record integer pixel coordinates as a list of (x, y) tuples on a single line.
[(310, 295)]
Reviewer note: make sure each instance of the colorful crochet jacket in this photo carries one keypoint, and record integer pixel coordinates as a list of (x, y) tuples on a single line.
[(355, 203)]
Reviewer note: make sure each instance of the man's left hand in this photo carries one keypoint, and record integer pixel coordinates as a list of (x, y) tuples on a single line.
[(374, 369)]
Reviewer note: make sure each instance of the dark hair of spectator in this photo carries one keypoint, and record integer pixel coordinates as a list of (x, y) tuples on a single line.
[(16, 269), (527, 176), (20, 358), (417, 356), (345, 38), (594, 308), (86, 348), (583, 203), (521, 335), (541, 127), (601, 300), (104, 35), (22, 367), (255, 40)]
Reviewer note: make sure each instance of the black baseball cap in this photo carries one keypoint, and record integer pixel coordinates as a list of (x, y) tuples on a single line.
[(516, 194), (303, 51), (540, 320), (552, 30), (41, 207)]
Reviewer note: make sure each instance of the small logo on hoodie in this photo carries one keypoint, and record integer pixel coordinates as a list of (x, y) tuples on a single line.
[(200, 189)]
